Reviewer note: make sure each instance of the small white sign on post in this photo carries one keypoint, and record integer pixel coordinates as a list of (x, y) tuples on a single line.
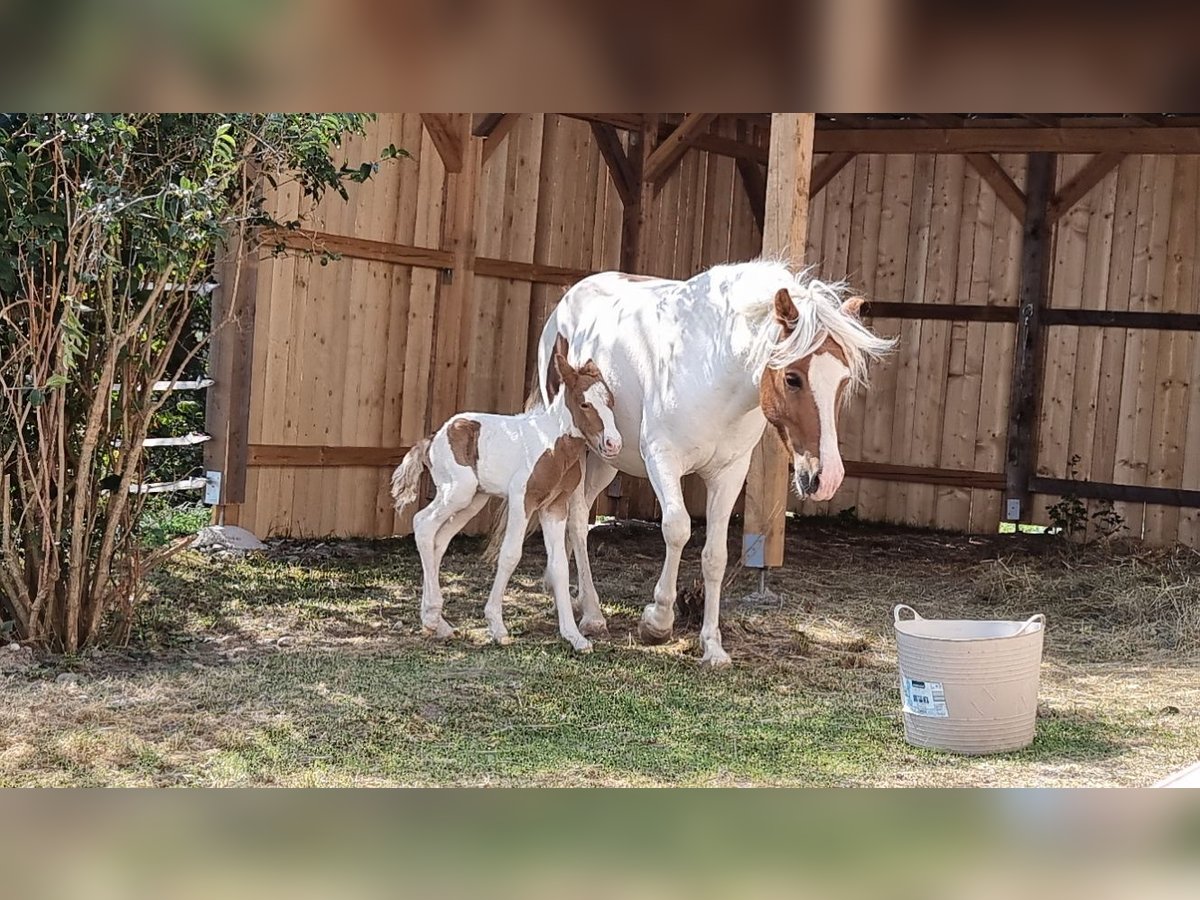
[(212, 488)]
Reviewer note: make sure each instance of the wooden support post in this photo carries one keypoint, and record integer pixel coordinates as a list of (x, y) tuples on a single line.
[(1024, 407), (636, 214), (231, 354), (785, 234)]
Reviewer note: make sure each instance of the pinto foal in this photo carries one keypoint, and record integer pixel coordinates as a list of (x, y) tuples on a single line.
[(535, 461)]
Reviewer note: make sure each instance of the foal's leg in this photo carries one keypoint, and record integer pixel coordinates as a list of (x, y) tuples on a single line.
[(554, 530), (723, 490), (658, 617), (454, 525), (506, 562), (598, 476), (427, 524)]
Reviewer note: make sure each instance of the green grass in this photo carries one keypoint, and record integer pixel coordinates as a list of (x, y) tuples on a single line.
[(305, 667), (162, 520)]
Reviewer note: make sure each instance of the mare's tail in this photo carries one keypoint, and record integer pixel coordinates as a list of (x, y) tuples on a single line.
[(406, 480)]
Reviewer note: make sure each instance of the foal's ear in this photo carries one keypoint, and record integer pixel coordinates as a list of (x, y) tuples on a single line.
[(561, 366), (785, 309), (853, 307), (591, 369)]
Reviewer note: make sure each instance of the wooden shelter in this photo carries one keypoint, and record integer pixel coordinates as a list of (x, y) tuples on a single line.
[(1040, 272)]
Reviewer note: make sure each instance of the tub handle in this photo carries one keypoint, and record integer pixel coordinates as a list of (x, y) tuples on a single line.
[(1039, 618), (900, 607)]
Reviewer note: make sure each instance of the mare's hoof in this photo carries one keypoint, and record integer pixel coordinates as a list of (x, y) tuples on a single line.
[(648, 634), (441, 630)]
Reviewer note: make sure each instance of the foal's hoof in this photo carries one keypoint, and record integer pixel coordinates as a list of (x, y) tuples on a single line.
[(582, 646), (595, 628), (503, 638), (649, 634)]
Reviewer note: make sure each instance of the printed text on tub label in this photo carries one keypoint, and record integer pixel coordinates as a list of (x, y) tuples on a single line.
[(925, 698)]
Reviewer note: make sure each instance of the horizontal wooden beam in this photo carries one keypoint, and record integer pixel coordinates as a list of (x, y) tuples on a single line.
[(523, 271), (1104, 318), (1129, 493), (309, 241), (940, 312), (966, 478), (314, 455), (1166, 140), (421, 257)]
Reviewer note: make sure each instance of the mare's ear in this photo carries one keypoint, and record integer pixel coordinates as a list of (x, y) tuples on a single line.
[(853, 307), (785, 310)]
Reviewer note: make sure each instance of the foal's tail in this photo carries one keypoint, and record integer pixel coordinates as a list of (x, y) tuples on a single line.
[(406, 480)]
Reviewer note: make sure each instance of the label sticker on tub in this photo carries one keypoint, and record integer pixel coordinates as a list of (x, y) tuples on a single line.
[(925, 698)]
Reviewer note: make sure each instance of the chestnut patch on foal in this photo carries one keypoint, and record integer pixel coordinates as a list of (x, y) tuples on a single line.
[(463, 435), (555, 475)]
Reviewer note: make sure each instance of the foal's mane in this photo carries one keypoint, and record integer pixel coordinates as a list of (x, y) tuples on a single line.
[(752, 289)]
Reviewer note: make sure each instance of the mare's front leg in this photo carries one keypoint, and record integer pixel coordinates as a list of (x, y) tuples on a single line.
[(506, 564), (659, 617), (723, 490), (554, 530)]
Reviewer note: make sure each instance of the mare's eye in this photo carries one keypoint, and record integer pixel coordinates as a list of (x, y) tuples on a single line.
[(794, 381), (585, 405)]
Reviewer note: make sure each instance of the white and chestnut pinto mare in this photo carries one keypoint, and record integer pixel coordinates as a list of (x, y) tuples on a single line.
[(534, 461), (697, 369)]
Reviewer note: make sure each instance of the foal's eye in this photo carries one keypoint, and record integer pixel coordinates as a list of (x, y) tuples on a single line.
[(585, 405), (794, 381)]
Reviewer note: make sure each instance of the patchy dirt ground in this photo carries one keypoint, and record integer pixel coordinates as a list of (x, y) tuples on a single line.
[(304, 666)]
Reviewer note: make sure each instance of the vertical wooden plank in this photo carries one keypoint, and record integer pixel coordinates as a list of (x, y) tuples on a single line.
[(1141, 354), (889, 284), (1027, 356), (455, 296), (1173, 378), (1110, 383), (524, 178), (908, 355), (1001, 289), (850, 225), (786, 231), (388, 521), (1085, 399), (940, 281), (1058, 368), (418, 374), (965, 365)]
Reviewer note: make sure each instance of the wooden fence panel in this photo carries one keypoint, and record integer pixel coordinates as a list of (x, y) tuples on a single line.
[(374, 349)]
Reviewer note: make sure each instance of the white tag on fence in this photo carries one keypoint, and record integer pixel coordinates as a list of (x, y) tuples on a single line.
[(925, 698)]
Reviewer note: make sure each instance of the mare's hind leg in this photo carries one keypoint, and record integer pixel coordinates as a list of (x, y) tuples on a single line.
[(506, 563), (451, 499)]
